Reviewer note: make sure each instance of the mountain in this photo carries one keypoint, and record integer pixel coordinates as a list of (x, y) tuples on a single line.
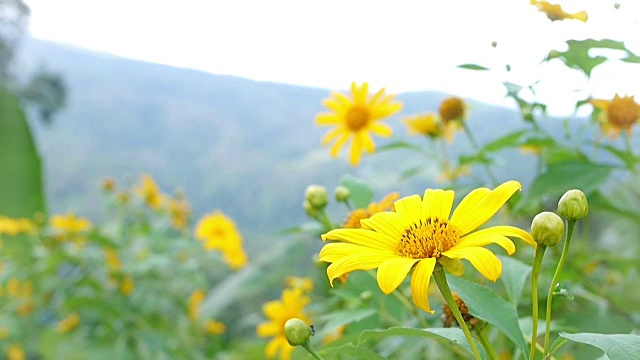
[(248, 148)]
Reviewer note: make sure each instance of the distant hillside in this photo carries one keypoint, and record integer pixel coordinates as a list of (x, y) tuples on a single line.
[(249, 148)]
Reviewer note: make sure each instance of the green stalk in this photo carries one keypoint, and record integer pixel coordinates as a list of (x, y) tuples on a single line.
[(484, 340), (537, 262), (441, 281), (554, 282), (307, 346), (476, 147)]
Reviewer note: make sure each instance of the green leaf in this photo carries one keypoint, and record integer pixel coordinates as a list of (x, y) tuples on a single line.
[(412, 172), (616, 346), (485, 304), (512, 89), (399, 144), (510, 140), (351, 350), (361, 194), (597, 200), (628, 158), (472, 67), (514, 277), (21, 193), (452, 335), (345, 317), (577, 56)]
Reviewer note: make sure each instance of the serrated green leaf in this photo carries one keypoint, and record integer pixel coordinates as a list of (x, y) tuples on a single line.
[(452, 335), (577, 55), (514, 277), (485, 304), (361, 194), (616, 346), (472, 67), (351, 350)]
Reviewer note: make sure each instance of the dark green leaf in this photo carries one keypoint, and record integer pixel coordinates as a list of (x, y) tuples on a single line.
[(510, 140), (361, 194), (514, 277), (616, 346), (485, 304), (352, 351), (472, 67), (577, 56), (628, 158)]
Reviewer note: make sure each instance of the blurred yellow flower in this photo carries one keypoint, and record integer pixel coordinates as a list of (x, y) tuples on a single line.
[(13, 286), (193, 305), (531, 149), (70, 224), (108, 184), (277, 312), (235, 258), (419, 234), (334, 335), (16, 352), (305, 284), (555, 12), (25, 308), (127, 286), (13, 226), (111, 258), (215, 327), (69, 323), (218, 232), (4, 333), (356, 117), (353, 218), (179, 210), (617, 115), (423, 124), (452, 109), (149, 192)]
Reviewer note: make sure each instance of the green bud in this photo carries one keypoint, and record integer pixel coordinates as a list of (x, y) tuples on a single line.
[(316, 195), (296, 331), (547, 228), (342, 193), (309, 209), (573, 205)]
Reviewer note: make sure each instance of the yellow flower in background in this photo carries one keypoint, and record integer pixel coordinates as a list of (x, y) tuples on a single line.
[(218, 232), (16, 352), (617, 115), (353, 218), (193, 305), (450, 174), (305, 284), (452, 109), (531, 149), (149, 192), (334, 335), (127, 286), (112, 259), (179, 210), (419, 234), (215, 327), (423, 124), (69, 323), (235, 258), (15, 226), (277, 312), (70, 223), (356, 117), (4, 333), (108, 184), (555, 12)]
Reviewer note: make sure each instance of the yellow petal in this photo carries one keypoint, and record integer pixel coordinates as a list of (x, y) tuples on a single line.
[(286, 350), (377, 97), (437, 204), (409, 207), (356, 151), (482, 259), (387, 223), (361, 261), (485, 237), (338, 102), (334, 251), (364, 237), (328, 119), (359, 94), (335, 149), (366, 141), (268, 329), (420, 283), (469, 216), (380, 129), (273, 309), (271, 350), (454, 266), (385, 110), (392, 272)]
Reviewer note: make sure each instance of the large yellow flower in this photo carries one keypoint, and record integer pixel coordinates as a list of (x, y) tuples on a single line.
[(356, 117), (291, 305), (554, 11), (617, 115), (420, 233)]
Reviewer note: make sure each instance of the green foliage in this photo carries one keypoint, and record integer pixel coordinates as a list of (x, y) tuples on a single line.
[(616, 346)]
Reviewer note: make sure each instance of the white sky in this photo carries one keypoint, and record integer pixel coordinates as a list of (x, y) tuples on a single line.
[(401, 45)]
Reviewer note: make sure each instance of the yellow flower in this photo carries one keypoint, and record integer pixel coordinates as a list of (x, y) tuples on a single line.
[(215, 327), (423, 124), (217, 231), (617, 115), (13, 227), (16, 352), (70, 224), (13, 287), (452, 109), (127, 286), (235, 258), (305, 284), (69, 323), (193, 306), (111, 258), (353, 218), (554, 11), (277, 312), (334, 335), (4, 333), (356, 117), (108, 185), (149, 192), (179, 210), (420, 233)]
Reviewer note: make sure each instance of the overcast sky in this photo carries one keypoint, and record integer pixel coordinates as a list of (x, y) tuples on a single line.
[(402, 45)]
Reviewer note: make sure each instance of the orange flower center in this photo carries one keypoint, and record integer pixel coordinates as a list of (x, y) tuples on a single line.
[(428, 239), (451, 109), (623, 112), (357, 118)]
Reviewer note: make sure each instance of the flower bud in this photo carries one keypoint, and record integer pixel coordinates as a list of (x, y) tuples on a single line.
[(316, 195), (547, 228), (342, 193), (296, 331), (310, 210), (573, 205)]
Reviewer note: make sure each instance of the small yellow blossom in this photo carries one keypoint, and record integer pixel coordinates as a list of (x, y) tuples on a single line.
[(127, 286), (13, 286), (108, 185), (69, 323), (356, 117), (235, 258), (179, 210), (353, 218), (555, 12), (277, 312), (4, 333), (149, 192), (294, 282), (215, 327), (16, 352), (452, 109), (70, 224), (112, 259), (617, 115), (218, 232), (193, 306), (13, 226), (423, 124)]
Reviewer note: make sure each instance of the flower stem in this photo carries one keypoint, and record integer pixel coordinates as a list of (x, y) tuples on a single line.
[(441, 281), (325, 221), (554, 282), (476, 147), (307, 346), (487, 344), (537, 262)]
